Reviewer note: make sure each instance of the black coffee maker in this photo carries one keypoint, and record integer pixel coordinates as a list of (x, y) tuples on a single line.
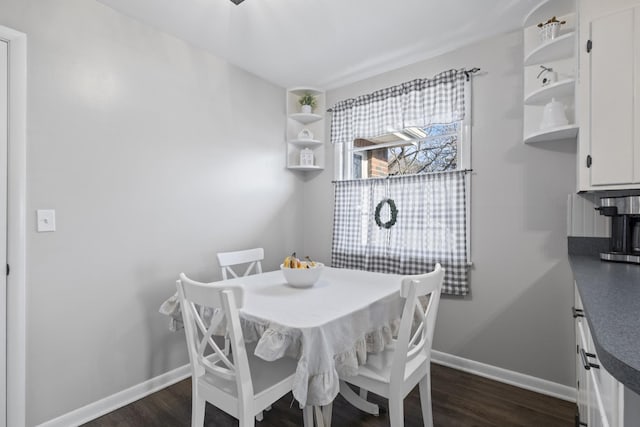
[(625, 228)]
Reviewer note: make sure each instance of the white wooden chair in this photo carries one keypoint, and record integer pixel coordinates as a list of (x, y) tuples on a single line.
[(410, 354), (253, 257), (241, 386)]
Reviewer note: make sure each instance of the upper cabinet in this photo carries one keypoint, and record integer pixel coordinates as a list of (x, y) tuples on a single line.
[(550, 72), (305, 129), (609, 93)]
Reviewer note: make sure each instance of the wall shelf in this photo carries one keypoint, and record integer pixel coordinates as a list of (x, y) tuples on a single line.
[(305, 143), (546, 9), (552, 134), (558, 48), (559, 89), (305, 168), (553, 59), (311, 124), (305, 118)]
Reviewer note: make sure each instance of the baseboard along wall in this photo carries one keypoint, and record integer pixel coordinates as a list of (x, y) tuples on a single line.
[(505, 376), (124, 397), (118, 400)]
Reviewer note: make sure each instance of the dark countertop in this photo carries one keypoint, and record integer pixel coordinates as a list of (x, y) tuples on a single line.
[(610, 295)]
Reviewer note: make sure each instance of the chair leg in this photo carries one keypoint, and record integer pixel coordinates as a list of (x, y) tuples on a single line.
[(197, 410), (396, 411), (246, 420), (425, 400)]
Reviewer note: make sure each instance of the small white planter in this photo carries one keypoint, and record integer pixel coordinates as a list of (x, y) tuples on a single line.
[(306, 109), (549, 31)]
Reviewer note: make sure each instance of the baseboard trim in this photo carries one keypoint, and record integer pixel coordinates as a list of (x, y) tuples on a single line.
[(124, 397), (120, 399), (506, 376)]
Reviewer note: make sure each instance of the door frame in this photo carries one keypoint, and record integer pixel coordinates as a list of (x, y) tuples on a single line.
[(16, 226)]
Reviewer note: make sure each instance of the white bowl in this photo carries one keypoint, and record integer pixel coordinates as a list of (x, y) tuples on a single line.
[(302, 277)]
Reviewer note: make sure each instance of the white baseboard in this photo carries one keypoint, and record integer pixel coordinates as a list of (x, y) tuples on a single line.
[(517, 379), (120, 399)]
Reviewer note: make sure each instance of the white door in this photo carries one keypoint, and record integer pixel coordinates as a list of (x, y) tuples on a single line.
[(3, 232)]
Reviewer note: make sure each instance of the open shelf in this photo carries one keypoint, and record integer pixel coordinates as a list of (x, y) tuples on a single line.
[(306, 168), (305, 118), (558, 48), (552, 134), (302, 143), (305, 131), (554, 90), (546, 9)]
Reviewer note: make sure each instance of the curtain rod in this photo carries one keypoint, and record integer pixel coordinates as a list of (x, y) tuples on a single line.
[(471, 71), (400, 176), (466, 73)]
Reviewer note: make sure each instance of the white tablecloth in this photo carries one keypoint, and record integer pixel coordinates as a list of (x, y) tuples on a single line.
[(329, 328)]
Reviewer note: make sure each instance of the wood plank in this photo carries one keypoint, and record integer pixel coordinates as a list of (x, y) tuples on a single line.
[(459, 399)]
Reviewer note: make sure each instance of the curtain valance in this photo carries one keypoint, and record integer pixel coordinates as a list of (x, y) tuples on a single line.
[(419, 102)]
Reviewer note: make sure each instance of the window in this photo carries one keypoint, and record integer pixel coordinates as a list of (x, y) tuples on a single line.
[(402, 192), (436, 148)]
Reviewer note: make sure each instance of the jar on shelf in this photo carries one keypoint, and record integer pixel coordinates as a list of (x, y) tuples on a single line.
[(306, 157)]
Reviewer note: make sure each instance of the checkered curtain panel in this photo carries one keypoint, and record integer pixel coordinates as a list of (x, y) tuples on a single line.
[(430, 226), (420, 102)]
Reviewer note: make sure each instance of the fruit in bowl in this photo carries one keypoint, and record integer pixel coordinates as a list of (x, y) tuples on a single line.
[(301, 274)]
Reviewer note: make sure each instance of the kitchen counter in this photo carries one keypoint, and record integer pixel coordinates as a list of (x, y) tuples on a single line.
[(610, 295)]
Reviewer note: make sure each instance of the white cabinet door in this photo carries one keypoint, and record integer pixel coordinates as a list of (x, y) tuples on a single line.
[(612, 62), (582, 380)]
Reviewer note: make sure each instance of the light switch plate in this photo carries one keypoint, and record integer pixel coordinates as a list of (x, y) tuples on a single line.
[(46, 220)]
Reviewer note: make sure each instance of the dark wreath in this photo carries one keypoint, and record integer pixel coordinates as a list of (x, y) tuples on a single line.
[(394, 213)]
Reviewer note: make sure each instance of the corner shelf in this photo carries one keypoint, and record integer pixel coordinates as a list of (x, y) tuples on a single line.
[(298, 122), (557, 56), (559, 89), (305, 168), (552, 134), (558, 48), (541, 12), (305, 118), (305, 143)]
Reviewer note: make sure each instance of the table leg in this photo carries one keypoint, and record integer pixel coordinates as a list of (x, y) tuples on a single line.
[(307, 416), (326, 414), (357, 401), (319, 416)]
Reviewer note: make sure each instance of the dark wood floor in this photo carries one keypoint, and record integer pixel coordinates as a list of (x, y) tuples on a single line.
[(459, 399)]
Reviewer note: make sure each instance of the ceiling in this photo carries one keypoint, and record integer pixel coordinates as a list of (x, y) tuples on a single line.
[(327, 43)]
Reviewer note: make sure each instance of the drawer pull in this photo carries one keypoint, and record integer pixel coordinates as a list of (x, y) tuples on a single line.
[(577, 312), (585, 361)]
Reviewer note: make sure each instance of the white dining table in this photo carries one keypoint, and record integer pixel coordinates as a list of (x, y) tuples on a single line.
[(329, 328)]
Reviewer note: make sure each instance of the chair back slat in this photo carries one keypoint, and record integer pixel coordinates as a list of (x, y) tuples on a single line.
[(417, 324), (204, 353), (253, 257)]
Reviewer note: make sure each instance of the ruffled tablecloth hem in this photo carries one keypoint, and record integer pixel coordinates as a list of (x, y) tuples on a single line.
[(275, 342)]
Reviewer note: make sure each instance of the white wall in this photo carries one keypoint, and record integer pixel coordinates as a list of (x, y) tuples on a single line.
[(155, 155), (517, 316)]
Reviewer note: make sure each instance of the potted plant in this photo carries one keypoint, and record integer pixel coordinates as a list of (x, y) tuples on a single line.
[(549, 30), (307, 102)]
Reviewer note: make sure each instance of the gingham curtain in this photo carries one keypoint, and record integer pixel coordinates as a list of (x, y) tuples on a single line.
[(430, 226), (420, 102)]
